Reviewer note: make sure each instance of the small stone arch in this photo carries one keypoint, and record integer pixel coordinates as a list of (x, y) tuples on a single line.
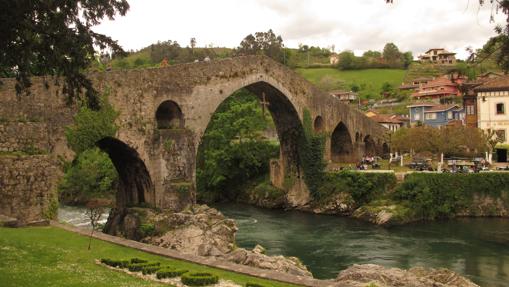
[(341, 144), (169, 116), (357, 137), (369, 146), (385, 149), (318, 124)]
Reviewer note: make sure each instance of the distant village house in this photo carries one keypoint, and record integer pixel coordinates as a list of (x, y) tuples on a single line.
[(345, 96), (438, 56), (390, 122)]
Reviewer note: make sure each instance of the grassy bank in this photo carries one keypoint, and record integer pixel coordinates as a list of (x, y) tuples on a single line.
[(370, 80), (48, 256)]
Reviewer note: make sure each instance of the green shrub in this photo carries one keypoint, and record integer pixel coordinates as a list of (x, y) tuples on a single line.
[(363, 187), (249, 284), (138, 260), (169, 272), (115, 263), (147, 229), (199, 279), (150, 269), (137, 267), (443, 195)]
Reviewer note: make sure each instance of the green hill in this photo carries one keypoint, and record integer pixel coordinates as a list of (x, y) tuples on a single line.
[(370, 81), (418, 70)]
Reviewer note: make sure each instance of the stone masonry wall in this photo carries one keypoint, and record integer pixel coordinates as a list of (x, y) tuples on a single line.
[(21, 136), (28, 187)]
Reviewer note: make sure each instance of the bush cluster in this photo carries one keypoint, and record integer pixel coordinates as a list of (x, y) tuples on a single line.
[(138, 267), (363, 187), (443, 195), (199, 279), (161, 272), (169, 272), (115, 263)]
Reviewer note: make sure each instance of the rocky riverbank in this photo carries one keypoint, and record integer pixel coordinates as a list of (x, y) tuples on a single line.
[(376, 275), (199, 230)]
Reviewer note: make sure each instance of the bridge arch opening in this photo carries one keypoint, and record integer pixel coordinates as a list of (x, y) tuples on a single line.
[(135, 184), (284, 160), (169, 116), (318, 124), (385, 149), (341, 144), (369, 146)]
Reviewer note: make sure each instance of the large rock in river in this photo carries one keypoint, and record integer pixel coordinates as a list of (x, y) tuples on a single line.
[(363, 275)]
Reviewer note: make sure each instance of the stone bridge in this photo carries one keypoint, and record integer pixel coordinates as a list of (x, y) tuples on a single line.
[(164, 113)]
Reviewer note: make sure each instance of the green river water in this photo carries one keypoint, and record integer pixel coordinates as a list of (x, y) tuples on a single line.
[(475, 248)]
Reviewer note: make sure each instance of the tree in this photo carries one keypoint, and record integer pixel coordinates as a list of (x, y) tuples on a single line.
[(95, 210), (391, 53), (262, 43), (346, 60), (55, 38), (91, 126), (90, 175), (408, 58), (233, 150)]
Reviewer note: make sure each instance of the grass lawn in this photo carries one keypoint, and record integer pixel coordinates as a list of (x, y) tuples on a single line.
[(49, 256), (371, 79)]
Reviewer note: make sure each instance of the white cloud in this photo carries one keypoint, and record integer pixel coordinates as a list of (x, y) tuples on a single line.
[(348, 24)]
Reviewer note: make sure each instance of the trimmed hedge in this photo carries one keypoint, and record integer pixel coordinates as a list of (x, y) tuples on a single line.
[(443, 195), (199, 279), (115, 263), (249, 284), (137, 267), (150, 269), (363, 187), (169, 272), (138, 260)]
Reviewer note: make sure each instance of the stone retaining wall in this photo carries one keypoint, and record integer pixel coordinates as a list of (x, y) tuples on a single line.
[(28, 187)]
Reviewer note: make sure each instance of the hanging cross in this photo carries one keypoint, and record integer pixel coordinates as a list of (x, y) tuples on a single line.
[(264, 103)]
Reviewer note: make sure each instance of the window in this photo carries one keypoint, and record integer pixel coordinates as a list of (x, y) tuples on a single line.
[(500, 135), (470, 110), (417, 117), (431, 116), (449, 115), (500, 109)]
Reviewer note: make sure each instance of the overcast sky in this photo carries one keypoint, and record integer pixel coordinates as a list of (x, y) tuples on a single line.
[(357, 25)]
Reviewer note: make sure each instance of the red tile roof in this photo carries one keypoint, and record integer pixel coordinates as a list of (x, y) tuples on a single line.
[(496, 84)]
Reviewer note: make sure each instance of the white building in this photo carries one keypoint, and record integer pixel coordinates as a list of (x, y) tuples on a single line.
[(492, 110)]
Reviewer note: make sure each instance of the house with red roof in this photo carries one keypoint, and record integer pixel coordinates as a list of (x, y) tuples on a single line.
[(390, 122), (437, 90)]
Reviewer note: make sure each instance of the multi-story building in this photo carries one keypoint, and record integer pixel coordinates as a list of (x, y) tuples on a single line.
[(435, 115), (438, 56), (492, 99), (437, 90), (470, 97)]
